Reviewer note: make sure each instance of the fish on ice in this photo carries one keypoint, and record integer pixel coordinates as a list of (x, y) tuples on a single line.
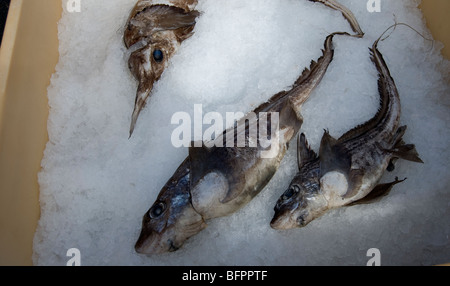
[(217, 181), (153, 33), (347, 170)]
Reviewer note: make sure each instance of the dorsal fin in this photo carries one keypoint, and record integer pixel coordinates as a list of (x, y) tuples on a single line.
[(304, 152)]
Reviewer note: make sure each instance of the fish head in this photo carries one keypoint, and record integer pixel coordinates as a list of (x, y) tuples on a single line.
[(153, 34), (298, 206), (171, 220), (147, 65)]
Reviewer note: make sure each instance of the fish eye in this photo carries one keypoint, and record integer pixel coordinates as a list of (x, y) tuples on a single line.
[(158, 56), (289, 193), (157, 210)]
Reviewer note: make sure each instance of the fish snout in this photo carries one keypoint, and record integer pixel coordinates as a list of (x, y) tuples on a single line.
[(150, 243), (143, 244), (142, 94), (140, 249), (151, 250), (288, 219), (282, 222), (147, 65)]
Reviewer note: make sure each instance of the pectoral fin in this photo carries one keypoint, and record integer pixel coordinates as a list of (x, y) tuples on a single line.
[(378, 192), (234, 190), (355, 182), (332, 158), (199, 158), (206, 161), (208, 193)]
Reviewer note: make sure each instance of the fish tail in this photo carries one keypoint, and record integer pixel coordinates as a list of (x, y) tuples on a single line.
[(333, 4)]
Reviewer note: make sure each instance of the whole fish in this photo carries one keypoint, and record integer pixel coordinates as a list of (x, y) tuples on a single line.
[(348, 169), (153, 33), (217, 181)]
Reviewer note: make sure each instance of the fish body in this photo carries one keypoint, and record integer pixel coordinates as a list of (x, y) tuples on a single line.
[(217, 181), (347, 169), (153, 33)]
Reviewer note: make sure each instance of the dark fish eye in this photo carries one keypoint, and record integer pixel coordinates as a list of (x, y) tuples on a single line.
[(158, 56), (157, 210), (289, 193)]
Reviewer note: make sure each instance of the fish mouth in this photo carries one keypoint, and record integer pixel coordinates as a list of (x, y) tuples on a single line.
[(289, 219), (142, 246), (172, 246), (142, 69), (141, 98), (149, 243), (283, 222), (152, 244)]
